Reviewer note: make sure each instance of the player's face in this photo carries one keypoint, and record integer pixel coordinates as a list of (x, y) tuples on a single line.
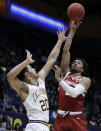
[(77, 66), (31, 72)]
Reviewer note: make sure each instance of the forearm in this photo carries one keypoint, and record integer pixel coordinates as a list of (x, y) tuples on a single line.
[(69, 40), (17, 69), (56, 50), (73, 92)]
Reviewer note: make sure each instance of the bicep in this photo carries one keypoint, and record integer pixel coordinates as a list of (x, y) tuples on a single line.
[(65, 62)]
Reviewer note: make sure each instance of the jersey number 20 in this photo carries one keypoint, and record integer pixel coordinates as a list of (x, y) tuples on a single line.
[(44, 105)]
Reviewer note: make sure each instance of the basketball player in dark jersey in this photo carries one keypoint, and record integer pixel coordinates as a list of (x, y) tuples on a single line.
[(72, 88)]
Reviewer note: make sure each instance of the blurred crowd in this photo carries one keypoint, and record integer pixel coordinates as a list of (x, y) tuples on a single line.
[(12, 52)]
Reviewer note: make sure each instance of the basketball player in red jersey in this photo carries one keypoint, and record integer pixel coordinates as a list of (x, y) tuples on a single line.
[(72, 88)]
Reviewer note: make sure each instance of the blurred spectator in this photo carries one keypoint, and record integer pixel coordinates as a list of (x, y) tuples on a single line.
[(8, 124), (1, 106), (20, 110), (5, 105), (3, 74), (2, 123), (14, 109), (92, 122)]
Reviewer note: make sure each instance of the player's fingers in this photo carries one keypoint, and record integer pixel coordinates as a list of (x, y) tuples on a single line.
[(65, 30), (73, 22), (78, 22), (33, 61), (56, 66), (27, 52), (58, 33), (53, 68), (66, 37)]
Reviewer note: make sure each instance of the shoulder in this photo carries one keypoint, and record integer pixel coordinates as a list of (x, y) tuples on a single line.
[(40, 80), (41, 74), (86, 79), (86, 82)]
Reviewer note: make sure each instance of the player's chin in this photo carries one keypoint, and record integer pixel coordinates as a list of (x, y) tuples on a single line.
[(73, 70), (36, 75)]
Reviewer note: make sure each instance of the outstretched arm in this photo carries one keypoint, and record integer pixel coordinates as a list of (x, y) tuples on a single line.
[(12, 75), (66, 54), (53, 55)]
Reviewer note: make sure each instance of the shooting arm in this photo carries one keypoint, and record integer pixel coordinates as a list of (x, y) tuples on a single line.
[(66, 54)]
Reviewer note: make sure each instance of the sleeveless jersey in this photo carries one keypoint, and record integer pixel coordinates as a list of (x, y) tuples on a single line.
[(36, 103), (66, 102)]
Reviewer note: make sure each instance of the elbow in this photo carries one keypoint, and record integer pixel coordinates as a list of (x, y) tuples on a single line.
[(9, 76)]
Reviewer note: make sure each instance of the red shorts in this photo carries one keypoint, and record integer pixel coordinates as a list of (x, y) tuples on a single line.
[(70, 123)]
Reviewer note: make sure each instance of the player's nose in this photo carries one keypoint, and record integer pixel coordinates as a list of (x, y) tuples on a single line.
[(75, 64)]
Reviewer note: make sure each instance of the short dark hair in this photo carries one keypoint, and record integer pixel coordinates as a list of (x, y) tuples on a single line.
[(21, 75), (85, 66)]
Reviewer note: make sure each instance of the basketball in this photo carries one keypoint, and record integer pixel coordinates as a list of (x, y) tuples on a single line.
[(76, 11)]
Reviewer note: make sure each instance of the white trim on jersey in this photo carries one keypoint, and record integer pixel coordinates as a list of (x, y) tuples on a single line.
[(64, 78)]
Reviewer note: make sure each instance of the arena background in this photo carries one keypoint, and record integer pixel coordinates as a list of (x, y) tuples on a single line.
[(17, 34)]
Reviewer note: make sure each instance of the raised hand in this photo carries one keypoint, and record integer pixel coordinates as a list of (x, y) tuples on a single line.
[(61, 35), (29, 57), (75, 24), (57, 70)]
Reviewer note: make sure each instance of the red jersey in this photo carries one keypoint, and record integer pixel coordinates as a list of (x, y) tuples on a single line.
[(66, 102)]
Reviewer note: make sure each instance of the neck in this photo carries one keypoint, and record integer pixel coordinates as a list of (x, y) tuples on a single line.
[(76, 74), (32, 82)]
